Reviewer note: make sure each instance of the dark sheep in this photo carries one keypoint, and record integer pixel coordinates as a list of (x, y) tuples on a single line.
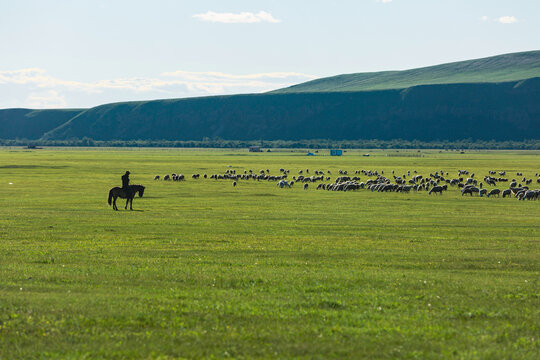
[(494, 192), (469, 190), (437, 189)]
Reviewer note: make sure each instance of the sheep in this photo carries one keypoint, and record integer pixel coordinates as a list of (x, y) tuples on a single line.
[(494, 192), (482, 192), (234, 184), (167, 177), (306, 186), (530, 195), (506, 193), (437, 189), (405, 188), (469, 190), (283, 183), (156, 177)]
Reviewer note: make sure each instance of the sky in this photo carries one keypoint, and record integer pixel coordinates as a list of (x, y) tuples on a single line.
[(84, 53)]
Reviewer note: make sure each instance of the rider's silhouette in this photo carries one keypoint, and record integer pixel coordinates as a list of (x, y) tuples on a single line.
[(125, 184)]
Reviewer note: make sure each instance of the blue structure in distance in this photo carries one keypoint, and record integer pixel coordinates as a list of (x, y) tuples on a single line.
[(336, 152)]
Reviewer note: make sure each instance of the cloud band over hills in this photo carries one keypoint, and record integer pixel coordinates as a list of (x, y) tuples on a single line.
[(35, 88)]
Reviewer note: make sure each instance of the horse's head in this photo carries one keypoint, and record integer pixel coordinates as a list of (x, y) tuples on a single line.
[(141, 191)]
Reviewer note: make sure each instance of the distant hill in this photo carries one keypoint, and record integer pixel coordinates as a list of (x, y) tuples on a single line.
[(425, 104), (32, 124), (502, 111), (508, 67)]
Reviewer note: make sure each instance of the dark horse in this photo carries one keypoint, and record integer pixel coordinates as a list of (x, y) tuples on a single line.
[(117, 192)]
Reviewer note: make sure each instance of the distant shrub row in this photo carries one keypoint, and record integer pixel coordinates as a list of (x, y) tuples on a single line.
[(283, 144)]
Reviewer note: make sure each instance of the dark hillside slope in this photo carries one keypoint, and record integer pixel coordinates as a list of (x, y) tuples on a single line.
[(32, 124), (507, 67), (502, 111)]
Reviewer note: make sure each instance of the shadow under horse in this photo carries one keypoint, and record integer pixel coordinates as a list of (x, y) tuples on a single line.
[(118, 192)]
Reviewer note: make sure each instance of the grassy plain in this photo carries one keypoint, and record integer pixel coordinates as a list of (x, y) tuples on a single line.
[(205, 270)]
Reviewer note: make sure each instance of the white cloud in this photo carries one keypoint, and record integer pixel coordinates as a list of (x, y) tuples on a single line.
[(50, 99), (502, 19), (507, 19), (34, 88), (384, 1), (232, 18), (218, 75)]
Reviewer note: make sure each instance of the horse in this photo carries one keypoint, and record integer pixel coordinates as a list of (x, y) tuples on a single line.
[(118, 192)]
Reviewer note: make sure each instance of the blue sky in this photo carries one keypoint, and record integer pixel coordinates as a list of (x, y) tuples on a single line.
[(85, 53)]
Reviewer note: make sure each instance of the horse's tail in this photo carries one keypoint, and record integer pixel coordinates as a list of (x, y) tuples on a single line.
[(110, 197)]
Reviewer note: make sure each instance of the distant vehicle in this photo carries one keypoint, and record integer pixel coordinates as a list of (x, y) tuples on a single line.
[(336, 152)]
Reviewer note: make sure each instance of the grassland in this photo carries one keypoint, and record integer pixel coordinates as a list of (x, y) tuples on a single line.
[(205, 270)]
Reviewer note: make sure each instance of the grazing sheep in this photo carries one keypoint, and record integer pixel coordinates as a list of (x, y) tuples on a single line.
[(156, 177), (529, 195), (469, 190), (306, 185), (437, 189), (234, 184), (507, 192), (283, 183), (482, 192), (494, 192), (167, 177)]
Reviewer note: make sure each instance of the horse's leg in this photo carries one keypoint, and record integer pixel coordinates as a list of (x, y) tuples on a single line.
[(127, 201), (114, 204), (131, 204)]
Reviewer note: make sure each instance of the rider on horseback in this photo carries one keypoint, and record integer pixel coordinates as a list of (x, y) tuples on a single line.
[(125, 184)]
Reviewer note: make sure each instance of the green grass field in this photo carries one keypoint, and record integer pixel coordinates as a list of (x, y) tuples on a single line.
[(204, 270)]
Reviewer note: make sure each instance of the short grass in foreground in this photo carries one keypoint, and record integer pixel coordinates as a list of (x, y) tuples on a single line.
[(202, 269)]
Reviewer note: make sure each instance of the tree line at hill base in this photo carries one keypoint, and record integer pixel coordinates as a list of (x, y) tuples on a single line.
[(465, 144)]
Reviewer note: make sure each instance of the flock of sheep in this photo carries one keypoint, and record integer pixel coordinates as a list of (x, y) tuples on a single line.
[(434, 183)]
